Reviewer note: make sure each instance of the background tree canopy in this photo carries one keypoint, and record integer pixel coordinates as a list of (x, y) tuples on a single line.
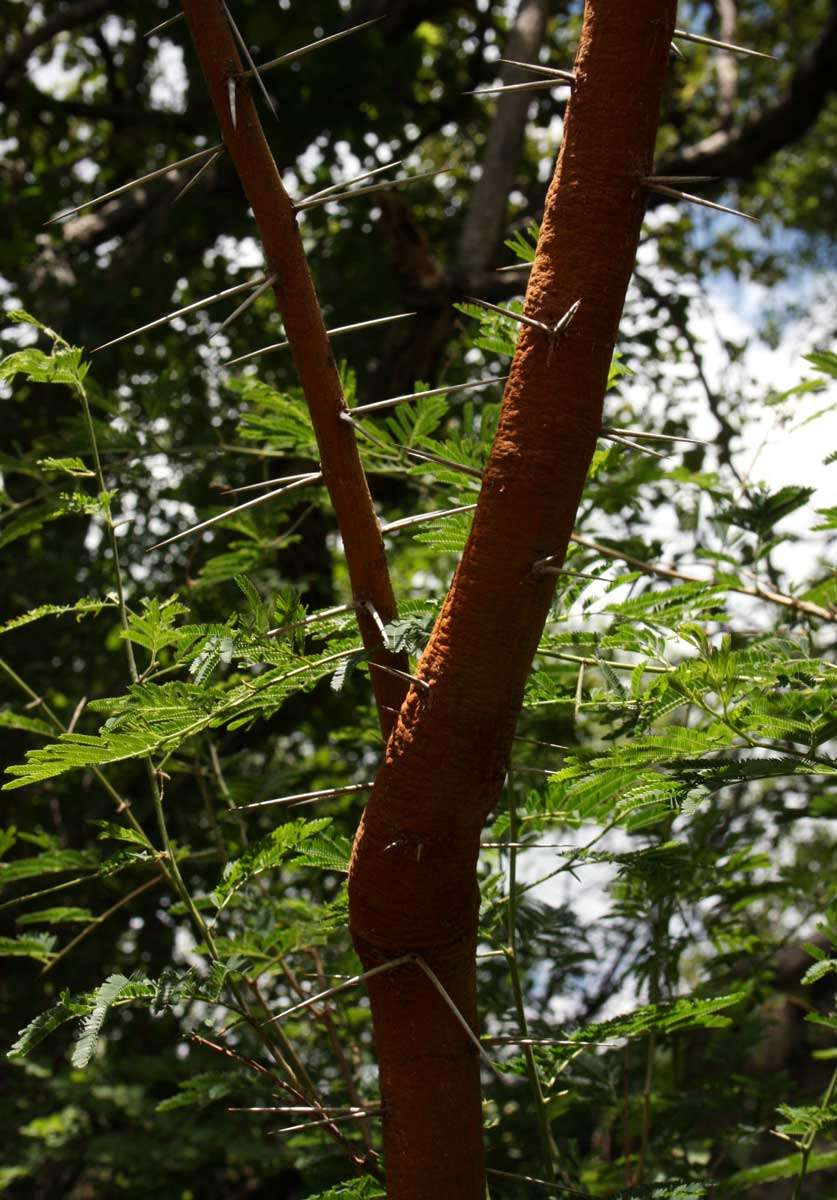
[(664, 854)]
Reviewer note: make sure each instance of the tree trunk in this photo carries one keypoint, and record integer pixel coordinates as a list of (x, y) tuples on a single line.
[(412, 882)]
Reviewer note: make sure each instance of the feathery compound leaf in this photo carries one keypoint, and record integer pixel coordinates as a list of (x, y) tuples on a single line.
[(344, 669), (13, 720), (267, 853), (42, 1026), (154, 626), (665, 1191), (780, 1168), (108, 830), (75, 750), (353, 1189), (56, 916), (826, 966), (688, 1012), (168, 990), (85, 607), (104, 996), (201, 1090), (497, 334), (51, 862), (68, 466), (448, 535), (280, 420), (64, 366), (328, 853), (219, 648), (523, 243), (29, 945)]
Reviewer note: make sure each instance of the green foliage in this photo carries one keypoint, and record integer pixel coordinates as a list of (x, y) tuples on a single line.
[(668, 724), (353, 1189), (265, 855), (28, 945), (82, 608), (106, 995), (673, 784)]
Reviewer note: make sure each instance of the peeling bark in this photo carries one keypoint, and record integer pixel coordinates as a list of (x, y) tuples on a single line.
[(412, 881)]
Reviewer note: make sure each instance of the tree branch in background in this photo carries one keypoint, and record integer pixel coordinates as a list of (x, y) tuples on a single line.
[(726, 65), (485, 221), (738, 152), (427, 282), (807, 607), (59, 22)]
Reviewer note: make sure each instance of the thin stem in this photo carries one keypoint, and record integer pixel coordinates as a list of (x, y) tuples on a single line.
[(217, 771), (659, 928), (122, 805), (174, 869), (793, 602), (81, 392), (97, 921), (547, 1142), (334, 1038), (808, 1141)]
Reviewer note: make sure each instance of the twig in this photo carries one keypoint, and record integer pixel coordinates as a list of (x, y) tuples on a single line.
[(544, 1183), (761, 593), (138, 891), (293, 55)]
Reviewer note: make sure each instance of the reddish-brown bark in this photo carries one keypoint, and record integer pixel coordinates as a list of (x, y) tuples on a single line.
[(297, 301), (412, 882)]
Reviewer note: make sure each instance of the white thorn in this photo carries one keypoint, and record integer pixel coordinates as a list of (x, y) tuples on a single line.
[(238, 508), (352, 981), (434, 979), (231, 100), (181, 312), (370, 608), (674, 194), (437, 514), (163, 25), (251, 299), (410, 396), (245, 51), (700, 40), (190, 183), (329, 333), (344, 183), (568, 76), (321, 199), (305, 797), (537, 85), (292, 55), (126, 187), (507, 312)]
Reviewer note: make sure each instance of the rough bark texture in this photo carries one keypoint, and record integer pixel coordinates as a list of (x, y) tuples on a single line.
[(412, 883), (297, 301)]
